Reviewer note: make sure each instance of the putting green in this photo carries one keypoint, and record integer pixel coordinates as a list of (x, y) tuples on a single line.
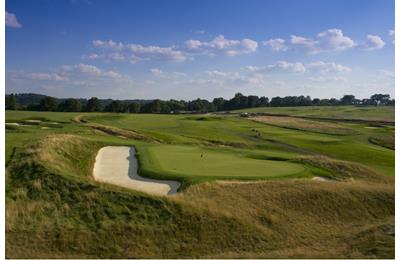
[(189, 161)]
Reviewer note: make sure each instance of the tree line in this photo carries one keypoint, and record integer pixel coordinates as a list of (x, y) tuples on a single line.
[(239, 101)]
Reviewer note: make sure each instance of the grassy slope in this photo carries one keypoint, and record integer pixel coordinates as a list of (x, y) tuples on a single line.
[(55, 209), (370, 113)]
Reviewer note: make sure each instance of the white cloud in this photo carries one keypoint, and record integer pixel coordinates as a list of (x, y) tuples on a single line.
[(327, 67), (296, 67), (374, 42), (223, 77), (277, 44), (110, 44), (167, 75), (11, 20), (334, 40), (221, 45), (113, 51), (116, 51), (46, 76), (327, 79), (303, 42), (80, 79), (140, 52), (326, 41), (69, 73)]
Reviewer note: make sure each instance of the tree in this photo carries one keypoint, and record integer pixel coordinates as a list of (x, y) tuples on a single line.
[(165, 108), (48, 104), (219, 103), (263, 102), (93, 105), (11, 102), (156, 106), (348, 100), (134, 107), (316, 102), (70, 105), (380, 99), (252, 101), (116, 106)]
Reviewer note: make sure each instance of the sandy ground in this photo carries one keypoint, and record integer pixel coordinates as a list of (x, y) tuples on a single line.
[(118, 165), (317, 178)]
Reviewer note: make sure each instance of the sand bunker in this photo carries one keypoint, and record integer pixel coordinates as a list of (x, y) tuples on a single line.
[(318, 178), (15, 124), (118, 165)]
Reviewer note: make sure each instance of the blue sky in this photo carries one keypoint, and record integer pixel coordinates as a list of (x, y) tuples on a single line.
[(188, 49)]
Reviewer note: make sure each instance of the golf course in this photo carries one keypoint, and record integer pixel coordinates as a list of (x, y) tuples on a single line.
[(277, 183)]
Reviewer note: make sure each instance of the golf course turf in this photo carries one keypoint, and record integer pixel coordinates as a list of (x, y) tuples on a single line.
[(247, 187)]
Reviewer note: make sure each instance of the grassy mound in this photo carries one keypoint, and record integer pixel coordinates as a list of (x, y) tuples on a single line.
[(387, 142)]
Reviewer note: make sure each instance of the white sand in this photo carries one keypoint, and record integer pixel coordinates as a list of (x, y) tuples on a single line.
[(16, 124), (318, 178), (118, 165)]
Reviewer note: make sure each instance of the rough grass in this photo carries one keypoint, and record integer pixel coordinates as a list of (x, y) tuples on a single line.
[(305, 125), (387, 142), (54, 209), (365, 113), (343, 170)]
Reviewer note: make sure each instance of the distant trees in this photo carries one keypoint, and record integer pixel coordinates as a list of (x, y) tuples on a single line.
[(70, 105), (93, 105), (116, 106), (380, 99), (348, 100), (48, 104), (134, 108), (238, 101), (11, 102)]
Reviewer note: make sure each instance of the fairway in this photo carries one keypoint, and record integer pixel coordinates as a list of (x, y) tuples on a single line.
[(189, 161)]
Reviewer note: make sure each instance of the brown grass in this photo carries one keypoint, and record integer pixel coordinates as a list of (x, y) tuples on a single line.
[(344, 170), (304, 125)]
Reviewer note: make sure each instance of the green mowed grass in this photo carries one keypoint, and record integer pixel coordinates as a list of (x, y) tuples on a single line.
[(238, 132), (190, 161), (371, 113)]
